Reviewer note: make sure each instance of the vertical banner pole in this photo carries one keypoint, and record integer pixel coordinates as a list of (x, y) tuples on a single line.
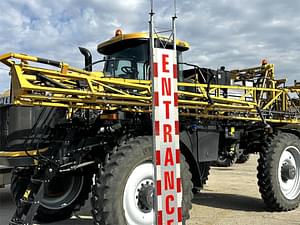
[(168, 187), (151, 58), (174, 27)]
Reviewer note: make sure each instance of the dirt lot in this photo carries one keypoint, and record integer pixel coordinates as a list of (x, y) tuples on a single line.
[(230, 197)]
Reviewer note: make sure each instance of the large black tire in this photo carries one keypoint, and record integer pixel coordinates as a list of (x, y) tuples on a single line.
[(20, 179), (279, 172), (204, 172), (204, 168), (52, 206), (108, 203)]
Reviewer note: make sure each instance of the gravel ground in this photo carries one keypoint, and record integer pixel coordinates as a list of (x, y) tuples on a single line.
[(230, 197)]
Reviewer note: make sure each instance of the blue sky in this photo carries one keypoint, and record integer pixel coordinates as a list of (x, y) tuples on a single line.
[(234, 33)]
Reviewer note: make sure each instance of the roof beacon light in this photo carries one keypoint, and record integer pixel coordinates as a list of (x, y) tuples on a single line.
[(264, 62), (118, 32)]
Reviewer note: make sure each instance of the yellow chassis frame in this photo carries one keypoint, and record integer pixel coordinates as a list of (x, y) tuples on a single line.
[(37, 85)]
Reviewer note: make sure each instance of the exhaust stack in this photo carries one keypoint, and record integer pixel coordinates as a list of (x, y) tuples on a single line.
[(87, 58)]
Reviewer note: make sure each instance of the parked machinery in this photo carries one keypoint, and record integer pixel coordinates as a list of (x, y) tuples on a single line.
[(73, 131)]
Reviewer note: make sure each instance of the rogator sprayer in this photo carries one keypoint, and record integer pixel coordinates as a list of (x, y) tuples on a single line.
[(69, 131)]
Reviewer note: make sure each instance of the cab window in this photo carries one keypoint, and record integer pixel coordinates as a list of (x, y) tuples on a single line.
[(129, 63)]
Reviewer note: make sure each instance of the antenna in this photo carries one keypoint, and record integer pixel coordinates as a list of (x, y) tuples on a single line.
[(174, 26), (175, 8), (151, 24), (151, 5), (151, 36)]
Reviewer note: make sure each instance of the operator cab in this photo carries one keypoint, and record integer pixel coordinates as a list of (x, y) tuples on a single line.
[(127, 55)]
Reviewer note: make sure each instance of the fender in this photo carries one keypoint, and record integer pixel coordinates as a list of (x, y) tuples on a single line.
[(199, 146), (291, 128)]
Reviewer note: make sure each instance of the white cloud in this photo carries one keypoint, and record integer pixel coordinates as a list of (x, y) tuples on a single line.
[(234, 33)]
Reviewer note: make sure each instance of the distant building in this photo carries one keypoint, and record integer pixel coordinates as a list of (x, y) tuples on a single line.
[(5, 98)]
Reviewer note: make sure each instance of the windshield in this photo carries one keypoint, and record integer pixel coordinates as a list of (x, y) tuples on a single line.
[(130, 63), (133, 63)]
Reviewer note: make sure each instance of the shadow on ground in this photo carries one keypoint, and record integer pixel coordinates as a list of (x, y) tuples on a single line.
[(223, 168), (230, 201), (73, 221)]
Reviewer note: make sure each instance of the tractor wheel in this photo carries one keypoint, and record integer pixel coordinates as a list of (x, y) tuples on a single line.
[(279, 172), (204, 168), (243, 158), (124, 194), (20, 179), (204, 172), (63, 195)]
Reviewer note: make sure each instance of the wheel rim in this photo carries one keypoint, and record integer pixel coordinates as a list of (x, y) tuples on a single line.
[(62, 191), (289, 172), (140, 180)]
